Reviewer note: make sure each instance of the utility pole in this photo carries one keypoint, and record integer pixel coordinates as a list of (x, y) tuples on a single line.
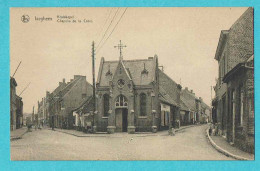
[(33, 116), (211, 92), (17, 68), (24, 89), (94, 82)]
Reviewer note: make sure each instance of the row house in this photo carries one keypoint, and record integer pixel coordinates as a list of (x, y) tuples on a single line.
[(135, 95), (186, 112), (169, 102), (13, 86), (193, 109), (65, 98), (233, 105), (83, 115)]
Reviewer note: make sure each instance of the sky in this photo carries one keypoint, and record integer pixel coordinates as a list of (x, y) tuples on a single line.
[(185, 40)]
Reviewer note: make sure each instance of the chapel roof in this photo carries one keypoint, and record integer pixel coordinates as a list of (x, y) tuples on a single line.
[(133, 68)]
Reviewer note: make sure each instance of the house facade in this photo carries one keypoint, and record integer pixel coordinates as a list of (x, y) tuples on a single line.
[(134, 95), (235, 48), (65, 98), (240, 102), (83, 115)]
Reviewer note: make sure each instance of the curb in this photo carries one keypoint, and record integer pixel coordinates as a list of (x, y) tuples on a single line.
[(219, 149), (19, 137), (106, 135), (77, 135), (140, 135)]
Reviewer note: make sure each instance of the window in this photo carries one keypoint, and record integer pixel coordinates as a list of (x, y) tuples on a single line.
[(120, 83), (240, 104), (142, 104), (224, 65), (106, 104), (121, 102), (233, 103)]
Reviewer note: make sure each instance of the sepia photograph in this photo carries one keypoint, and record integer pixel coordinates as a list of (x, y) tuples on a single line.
[(132, 83)]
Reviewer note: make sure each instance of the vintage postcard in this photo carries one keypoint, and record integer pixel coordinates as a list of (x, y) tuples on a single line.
[(132, 83)]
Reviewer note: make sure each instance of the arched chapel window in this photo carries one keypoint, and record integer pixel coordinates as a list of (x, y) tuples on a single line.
[(142, 104), (121, 101), (106, 104)]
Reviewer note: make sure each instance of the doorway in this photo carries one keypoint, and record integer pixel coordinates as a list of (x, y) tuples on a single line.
[(121, 119), (124, 119)]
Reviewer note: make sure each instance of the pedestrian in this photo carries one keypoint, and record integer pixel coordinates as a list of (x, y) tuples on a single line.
[(210, 129)]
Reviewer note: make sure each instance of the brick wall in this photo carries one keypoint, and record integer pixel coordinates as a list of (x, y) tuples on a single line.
[(240, 39)]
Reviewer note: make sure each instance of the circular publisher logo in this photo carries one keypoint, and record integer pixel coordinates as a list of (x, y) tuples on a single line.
[(25, 18)]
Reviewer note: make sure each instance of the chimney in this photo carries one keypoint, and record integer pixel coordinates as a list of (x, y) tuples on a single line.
[(63, 80), (77, 76), (191, 91), (150, 58), (186, 88), (47, 93)]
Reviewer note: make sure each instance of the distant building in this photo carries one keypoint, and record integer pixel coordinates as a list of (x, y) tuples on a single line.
[(191, 102), (43, 112), (13, 108), (19, 112), (193, 109), (206, 112), (233, 105), (135, 95), (16, 107)]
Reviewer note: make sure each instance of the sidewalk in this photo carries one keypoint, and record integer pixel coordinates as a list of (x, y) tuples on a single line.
[(118, 134), (220, 144), (18, 133)]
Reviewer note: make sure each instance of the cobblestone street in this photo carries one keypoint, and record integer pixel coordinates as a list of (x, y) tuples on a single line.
[(187, 144)]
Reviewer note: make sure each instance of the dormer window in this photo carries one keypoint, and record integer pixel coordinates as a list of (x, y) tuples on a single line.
[(144, 70), (109, 73)]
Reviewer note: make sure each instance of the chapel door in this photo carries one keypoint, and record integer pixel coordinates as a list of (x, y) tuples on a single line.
[(119, 120), (124, 120)]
